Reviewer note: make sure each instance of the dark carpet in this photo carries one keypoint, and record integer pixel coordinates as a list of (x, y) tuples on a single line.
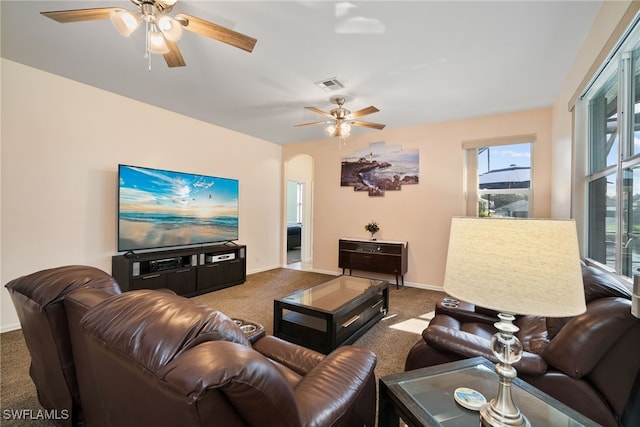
[(252, 300)]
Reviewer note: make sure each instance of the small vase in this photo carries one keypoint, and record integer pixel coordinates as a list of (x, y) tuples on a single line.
[(373, 236)]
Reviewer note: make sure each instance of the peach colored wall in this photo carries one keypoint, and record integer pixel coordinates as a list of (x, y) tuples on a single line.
[(419, 214), (61, 145)]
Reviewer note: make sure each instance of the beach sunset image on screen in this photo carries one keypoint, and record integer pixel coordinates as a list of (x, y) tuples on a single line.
[(159, 208)]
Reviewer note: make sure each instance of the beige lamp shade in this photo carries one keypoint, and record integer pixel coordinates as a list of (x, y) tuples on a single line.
[(518, 266)]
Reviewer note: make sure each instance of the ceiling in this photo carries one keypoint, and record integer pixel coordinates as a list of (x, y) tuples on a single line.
[(419, 62)]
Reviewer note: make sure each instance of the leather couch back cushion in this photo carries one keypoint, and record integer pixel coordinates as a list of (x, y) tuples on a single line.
[(533, 333), (154, 327), (48, 286), (597, 284), (604, 322)]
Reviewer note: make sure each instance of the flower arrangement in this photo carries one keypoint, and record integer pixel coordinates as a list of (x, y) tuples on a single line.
[(373, 227)]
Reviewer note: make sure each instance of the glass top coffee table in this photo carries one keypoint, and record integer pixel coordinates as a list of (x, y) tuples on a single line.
[(331, 314), (424, 397)]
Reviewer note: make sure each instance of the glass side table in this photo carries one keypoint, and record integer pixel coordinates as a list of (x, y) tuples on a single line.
[(424, 397)]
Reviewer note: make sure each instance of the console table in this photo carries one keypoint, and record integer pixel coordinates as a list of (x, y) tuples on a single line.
[(378, 256)]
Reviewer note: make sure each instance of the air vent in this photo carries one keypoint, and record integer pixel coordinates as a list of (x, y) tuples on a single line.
[(329, 85)]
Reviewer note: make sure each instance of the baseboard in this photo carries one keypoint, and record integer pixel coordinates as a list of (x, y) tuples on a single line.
[(9, 328), (260, 270), (376, 276), (329, 272), (423, 286)]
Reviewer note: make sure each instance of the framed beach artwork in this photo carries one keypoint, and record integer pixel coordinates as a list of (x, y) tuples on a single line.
[(380, 168)]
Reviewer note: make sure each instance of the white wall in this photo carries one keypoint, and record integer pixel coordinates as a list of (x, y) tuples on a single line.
[(61, 144)]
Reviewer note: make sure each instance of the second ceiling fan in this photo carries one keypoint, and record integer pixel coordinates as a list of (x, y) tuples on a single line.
[(162, 30), (342, 119)]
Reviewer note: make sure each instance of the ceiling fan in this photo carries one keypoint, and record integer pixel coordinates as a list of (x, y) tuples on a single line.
[(342, 119), (162, 30)]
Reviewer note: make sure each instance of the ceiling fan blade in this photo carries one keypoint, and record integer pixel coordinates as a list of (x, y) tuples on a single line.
[(76, 15), (311, 124), (319, 111), (369, 110), (174, 56), (367, 124), (217, 32)]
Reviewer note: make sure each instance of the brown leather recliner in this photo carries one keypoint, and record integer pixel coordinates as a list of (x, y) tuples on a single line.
[(38, 299), (150, 357), (589, 362)]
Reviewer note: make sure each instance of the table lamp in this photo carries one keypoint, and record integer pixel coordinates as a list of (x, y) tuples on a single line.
[(514, 266)]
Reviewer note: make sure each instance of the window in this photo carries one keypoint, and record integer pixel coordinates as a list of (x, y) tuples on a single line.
[(499, 176), (295, 202), (610, 111), (299, 201)]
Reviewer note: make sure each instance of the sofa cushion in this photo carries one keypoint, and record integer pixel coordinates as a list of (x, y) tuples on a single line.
[(154, 327), (598, 329), (473, 339), (597, 284)]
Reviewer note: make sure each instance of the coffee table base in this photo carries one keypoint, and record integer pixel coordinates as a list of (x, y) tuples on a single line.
[(324, 330)]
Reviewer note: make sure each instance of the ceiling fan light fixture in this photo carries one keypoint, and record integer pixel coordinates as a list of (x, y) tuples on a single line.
[(126, 22), (330, 130), (156, 42), (341, 119), (167, 3), (340, 128), (170, 27)]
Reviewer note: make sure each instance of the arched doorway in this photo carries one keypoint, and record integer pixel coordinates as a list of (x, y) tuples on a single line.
[(298, 203)]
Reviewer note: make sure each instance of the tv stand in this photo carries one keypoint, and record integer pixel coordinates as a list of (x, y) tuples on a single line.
[(188, 272)]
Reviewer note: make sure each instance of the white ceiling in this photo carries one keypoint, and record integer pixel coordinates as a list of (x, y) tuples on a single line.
[(419, 62)]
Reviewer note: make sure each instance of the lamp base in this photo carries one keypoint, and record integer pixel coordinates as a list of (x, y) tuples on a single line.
[(490, 417), (501, 411)]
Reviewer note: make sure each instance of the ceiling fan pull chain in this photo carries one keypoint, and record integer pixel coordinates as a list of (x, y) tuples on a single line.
[(146, 44)]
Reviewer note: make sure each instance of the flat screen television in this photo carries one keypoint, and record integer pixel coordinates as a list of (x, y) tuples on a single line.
[(159, 208)]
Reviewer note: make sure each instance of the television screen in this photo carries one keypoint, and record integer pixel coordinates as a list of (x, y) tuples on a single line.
[(159, 208)]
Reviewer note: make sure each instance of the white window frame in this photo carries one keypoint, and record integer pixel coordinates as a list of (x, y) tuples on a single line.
[(472, 187), (617, 61)]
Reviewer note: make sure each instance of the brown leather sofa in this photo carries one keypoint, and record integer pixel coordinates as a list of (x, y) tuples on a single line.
[(589, 362), (150, 357)]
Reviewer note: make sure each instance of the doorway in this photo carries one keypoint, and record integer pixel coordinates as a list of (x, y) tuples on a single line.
[(298, 212)]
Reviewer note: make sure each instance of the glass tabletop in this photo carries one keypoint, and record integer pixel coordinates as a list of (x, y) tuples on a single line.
[(331, 295), (433, 394)]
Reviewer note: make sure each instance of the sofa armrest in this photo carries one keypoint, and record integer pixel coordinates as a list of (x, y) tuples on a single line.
[(342, 384), (295, 357), (445, 334), (249, 383)]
